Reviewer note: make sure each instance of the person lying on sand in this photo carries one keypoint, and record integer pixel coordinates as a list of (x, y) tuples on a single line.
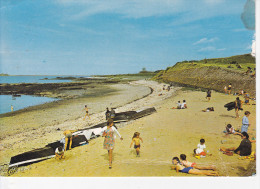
[(178, 105), (194, 165), (209, 109), (244, 149), (59, 153), (190, 170), (231, 130), (137, 143), (68, 136)]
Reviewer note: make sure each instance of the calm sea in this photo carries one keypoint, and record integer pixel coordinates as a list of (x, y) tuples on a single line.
[(25, 100)]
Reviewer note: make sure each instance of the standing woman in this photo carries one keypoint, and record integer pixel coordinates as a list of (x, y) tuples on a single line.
[(229, 88), (238, 106), (109, 141), (208, 95)]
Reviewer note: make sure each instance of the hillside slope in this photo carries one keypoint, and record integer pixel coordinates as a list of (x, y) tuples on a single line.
[(212, 74)]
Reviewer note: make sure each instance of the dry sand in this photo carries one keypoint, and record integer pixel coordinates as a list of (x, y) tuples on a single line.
[(166, 133)]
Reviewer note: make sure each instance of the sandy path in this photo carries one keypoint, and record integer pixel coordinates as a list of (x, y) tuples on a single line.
[(166, 133)]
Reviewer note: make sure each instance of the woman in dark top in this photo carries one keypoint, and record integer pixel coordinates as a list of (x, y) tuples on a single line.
[(244, 149), (238, 106), (208, 95)]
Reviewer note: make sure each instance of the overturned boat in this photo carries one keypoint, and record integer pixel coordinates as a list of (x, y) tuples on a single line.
[(79, 138)]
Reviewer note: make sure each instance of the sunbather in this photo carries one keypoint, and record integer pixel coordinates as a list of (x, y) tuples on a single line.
[(190, 170)]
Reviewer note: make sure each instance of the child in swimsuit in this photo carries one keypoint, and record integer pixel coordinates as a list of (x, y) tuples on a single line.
[(194, 165), (86, 108), (190, 170), (137, 144)]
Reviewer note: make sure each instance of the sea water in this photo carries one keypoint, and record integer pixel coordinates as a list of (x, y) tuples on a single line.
[(25, 100), (6, 101), (30, 79)]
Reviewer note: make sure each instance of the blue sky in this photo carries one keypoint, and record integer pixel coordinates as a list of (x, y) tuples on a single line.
[(86, 37)]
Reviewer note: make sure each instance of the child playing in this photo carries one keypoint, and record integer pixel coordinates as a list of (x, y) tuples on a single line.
[(194, 165), (184, 105), (200, 148), (137, 144), (178, 105), (59, 153), (190, 170), (231, 130)]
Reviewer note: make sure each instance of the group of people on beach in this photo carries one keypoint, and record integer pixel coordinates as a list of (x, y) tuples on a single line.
[(179, 164), (108, 132), (244, 149), (180, 105)]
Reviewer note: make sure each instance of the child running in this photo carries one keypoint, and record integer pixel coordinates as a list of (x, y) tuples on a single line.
[(190, 170), (194, 165), (137, 144)]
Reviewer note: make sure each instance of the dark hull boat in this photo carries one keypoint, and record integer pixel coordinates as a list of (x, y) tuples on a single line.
[(80, 138)]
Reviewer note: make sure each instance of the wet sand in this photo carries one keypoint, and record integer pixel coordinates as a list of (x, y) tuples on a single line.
[(166, 133), (37, 126)]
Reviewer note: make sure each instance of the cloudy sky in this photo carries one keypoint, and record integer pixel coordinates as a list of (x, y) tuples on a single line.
[(85, 37)]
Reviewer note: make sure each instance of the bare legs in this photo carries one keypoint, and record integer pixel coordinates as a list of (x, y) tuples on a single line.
[(110, 153), (137, 151), (227, 149), (205, 167), (203, 172), (86, 116)]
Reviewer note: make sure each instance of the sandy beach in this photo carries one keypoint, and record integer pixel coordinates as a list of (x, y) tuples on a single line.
[(166, 133)]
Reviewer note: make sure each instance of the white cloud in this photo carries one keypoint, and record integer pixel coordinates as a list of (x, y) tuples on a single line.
[(210, 48), (205, 40), (253, 47), (191, 10)]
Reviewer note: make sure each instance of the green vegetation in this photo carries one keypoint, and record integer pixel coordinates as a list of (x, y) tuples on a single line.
[(2, 74), (235, 63)]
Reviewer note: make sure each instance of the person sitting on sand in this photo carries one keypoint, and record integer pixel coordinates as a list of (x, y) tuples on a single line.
[(241, 92), (184, 105), (59, 153), (137, 143), (200, 148), (245, 122), (68, 136), (186, 163), (247, 97), (87, 114), (244, 149), (231, 130), (190, 170), (178, 105), (209, 109), (208, 95)]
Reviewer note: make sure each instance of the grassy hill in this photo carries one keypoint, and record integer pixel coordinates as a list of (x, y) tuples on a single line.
[(212, 73)]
